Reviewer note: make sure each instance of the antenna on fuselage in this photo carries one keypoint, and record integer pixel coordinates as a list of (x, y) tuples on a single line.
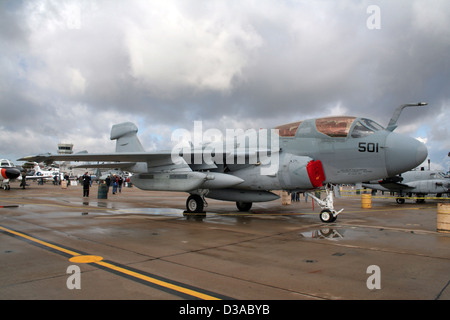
[(393, 122)]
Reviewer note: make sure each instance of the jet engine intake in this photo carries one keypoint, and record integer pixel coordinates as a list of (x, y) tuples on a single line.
[(300, 172)]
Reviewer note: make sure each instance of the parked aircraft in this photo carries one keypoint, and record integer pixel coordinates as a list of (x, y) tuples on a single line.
[(420, 183), (45, 174), (8, 172), (246, 167)]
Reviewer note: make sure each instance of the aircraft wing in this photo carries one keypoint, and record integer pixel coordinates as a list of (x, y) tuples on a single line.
[(38, 177), (396, 186), (117, 156), (108, 165), (154, 159), (389, 186)]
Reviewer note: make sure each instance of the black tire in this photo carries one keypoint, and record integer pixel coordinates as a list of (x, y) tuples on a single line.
[(326, 216), (244, 206), (194, 203), (420, 195)]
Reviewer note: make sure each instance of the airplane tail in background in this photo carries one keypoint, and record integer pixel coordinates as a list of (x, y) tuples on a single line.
[(127, 140), (37, 169)]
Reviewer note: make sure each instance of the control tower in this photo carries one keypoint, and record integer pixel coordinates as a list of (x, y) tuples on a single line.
[(65, 148)]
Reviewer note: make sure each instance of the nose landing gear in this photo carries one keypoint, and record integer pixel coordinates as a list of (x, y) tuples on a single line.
[(328, 213)]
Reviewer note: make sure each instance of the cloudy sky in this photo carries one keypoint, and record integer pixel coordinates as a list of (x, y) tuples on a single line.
[(71, 69)]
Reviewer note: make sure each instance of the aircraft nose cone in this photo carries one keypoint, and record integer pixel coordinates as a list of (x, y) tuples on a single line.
[(10, 173), (403, 153)]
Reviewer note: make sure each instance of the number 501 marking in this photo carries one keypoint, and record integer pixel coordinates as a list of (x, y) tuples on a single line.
[(367, 147)]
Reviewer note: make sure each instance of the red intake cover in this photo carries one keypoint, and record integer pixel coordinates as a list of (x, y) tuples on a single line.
[(315, 173)]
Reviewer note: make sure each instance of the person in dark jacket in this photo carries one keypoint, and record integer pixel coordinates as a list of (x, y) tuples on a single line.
[(108, 182), (86, 184)]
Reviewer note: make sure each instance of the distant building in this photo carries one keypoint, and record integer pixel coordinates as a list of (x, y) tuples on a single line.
[(65, 148)]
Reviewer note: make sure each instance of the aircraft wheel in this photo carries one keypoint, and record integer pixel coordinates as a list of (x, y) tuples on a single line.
[(420, 195), (244, 206), (194, 203), (326, 216), (400, 200)]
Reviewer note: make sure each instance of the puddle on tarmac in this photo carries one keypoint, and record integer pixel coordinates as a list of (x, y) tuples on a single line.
[(151, 211), (110, 208), (92, 207), (96, 204), (337, 234), (324, 233)]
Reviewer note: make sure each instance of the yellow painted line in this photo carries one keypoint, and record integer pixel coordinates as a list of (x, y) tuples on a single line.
[(70, 252), (157, 282), (395, 197), (79, 258), (86, 259)]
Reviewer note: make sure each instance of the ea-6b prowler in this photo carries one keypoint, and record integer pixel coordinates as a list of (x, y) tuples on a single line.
[(245, 167), (420, 183)]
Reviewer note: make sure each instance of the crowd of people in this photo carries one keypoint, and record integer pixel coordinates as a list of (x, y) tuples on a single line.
[(114, 181), (295, 196)]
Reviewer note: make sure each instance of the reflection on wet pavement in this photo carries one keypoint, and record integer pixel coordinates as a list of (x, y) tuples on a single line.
[(151, 211), (324, 233)]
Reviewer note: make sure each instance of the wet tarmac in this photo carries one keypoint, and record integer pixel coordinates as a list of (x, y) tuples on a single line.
[(55, 244)]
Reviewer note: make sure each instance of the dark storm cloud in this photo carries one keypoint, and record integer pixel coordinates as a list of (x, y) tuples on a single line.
[(70, 69)]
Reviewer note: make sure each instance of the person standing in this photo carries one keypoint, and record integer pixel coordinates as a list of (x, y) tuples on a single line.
[(23, 183), (108, 182), (114, 184), (120, 182), (86, 184)]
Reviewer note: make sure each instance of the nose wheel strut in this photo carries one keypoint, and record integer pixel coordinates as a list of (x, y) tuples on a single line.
[(328, 213)]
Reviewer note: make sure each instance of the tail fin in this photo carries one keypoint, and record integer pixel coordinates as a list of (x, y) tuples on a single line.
[(36, 167), (125, 134)]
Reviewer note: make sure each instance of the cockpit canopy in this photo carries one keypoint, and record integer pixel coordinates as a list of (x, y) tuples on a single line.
[(336, 127), (288, 130), (6, 163)]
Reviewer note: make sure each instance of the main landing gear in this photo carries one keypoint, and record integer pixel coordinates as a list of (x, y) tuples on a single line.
[(194, 207), (328, 213), (5, 185), (196, 203)]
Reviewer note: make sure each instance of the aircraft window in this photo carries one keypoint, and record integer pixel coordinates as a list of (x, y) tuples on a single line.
[(335, 126), (364, 127), (437, 175), (288, 130), (441, 175)]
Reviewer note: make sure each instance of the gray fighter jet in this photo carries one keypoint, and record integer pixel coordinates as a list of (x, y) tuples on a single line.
[(420, 183), (245, 167)]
